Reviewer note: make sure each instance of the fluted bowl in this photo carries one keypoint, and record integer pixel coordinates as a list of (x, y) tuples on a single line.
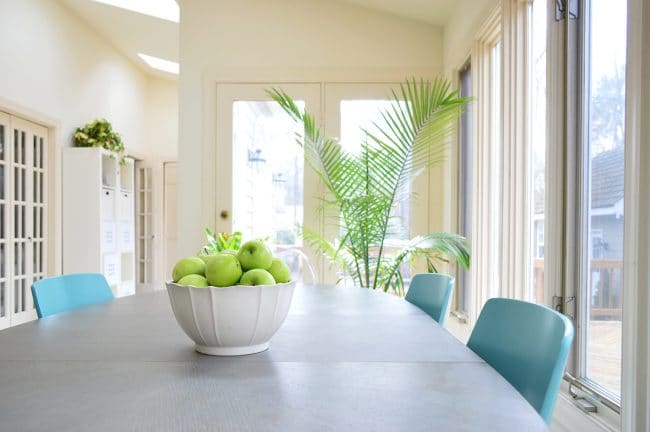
[(231, 321)]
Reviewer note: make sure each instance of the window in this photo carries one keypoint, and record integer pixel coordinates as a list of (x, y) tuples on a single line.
[(465, 184), (601, 212), (537, 137), (496, 129)]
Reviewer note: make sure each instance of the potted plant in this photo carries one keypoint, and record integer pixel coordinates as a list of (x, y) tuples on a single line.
[(100, 133), (364, 187)]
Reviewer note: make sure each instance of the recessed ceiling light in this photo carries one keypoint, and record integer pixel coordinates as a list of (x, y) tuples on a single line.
[(164, 9), (160, 64)]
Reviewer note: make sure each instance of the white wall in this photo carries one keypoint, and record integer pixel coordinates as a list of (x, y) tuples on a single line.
[(461, 29), (54, 64), (162, 119), (280, 41)]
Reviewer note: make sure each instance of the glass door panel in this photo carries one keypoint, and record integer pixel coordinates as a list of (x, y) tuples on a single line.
[(351, 107), (268, 181), (363, 114), (265, 191)]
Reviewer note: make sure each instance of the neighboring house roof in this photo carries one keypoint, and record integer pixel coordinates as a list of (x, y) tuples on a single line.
[(607, 180)]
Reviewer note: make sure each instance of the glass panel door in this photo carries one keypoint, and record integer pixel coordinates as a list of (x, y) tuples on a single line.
[(263, 189), (5, 288), (349, 107)]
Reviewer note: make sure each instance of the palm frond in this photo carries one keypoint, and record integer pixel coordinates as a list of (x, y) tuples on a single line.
[(363, 188)]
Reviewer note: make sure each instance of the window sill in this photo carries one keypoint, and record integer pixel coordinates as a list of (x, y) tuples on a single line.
[(568, 417)]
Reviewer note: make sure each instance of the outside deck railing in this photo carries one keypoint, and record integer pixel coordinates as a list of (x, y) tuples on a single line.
[(606, 287)]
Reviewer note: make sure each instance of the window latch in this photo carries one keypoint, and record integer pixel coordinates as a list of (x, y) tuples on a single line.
[(561, 9), (562, 304)]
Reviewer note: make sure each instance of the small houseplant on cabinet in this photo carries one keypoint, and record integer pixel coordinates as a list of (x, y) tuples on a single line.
[(363, 188), (100, 133)]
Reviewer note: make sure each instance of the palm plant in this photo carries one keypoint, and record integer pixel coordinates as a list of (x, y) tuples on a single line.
[(363, 188)]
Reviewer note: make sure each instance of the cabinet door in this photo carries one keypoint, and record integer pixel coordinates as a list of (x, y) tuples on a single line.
[(125, 206), (111, 268), (108, 204)]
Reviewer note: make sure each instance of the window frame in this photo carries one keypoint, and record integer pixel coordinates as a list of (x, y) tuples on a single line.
[(567, 228), (486, 167), (464, 188), (582, 214)]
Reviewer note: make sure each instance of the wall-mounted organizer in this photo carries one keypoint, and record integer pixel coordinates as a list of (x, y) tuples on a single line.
[(99, 217)]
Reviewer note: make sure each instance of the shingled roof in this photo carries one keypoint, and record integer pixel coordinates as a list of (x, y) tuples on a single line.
[(607, 180)]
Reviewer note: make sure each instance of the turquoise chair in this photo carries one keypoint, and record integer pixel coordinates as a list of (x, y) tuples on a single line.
[(64, 293), (431, 292), (528, 345)]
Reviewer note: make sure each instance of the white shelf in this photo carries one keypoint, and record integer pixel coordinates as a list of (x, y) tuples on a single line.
[(98, 217)]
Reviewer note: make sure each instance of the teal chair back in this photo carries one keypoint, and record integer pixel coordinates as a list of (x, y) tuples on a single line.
[(63, 293), (528, 345), (431, 292)]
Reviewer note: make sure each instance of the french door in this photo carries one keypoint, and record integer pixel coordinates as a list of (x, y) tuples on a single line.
[(23, 213), (262, 186)]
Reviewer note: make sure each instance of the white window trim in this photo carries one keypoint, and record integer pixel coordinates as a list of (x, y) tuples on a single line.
[(516, 180), (485, 256), (635, 393)]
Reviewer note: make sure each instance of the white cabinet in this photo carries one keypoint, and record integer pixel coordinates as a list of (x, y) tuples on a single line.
[(99, 217)]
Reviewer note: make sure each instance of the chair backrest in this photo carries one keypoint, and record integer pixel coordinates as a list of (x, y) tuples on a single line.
[(431, 292), (528, 345), (62, 293)]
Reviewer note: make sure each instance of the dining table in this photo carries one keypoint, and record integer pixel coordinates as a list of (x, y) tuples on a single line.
[(345, 359)]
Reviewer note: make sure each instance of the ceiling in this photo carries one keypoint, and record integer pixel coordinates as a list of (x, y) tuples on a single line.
[(132, 33)]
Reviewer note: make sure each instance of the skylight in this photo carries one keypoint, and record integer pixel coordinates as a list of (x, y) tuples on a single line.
[(160, 64), (163, 9)]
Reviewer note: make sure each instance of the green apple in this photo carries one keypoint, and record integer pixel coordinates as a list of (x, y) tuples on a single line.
[(280, 271), (187, 266), (193, 280), (257, 277), (223, 270), (230, 251), (254, 255), (205, 258)]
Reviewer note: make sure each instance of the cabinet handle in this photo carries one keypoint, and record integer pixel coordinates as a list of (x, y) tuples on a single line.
[(224, 214)]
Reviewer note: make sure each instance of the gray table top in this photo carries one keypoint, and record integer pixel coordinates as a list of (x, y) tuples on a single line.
[(345, 359)]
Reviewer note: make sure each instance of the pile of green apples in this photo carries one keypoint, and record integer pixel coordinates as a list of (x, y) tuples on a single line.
[(252, 264)]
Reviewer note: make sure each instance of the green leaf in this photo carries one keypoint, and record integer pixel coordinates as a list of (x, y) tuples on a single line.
[(362, 189)]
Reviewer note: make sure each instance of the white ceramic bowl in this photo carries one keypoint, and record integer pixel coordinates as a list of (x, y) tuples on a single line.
[(231, 321)]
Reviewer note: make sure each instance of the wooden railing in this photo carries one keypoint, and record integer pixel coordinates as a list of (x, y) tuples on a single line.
[(606, 287)]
